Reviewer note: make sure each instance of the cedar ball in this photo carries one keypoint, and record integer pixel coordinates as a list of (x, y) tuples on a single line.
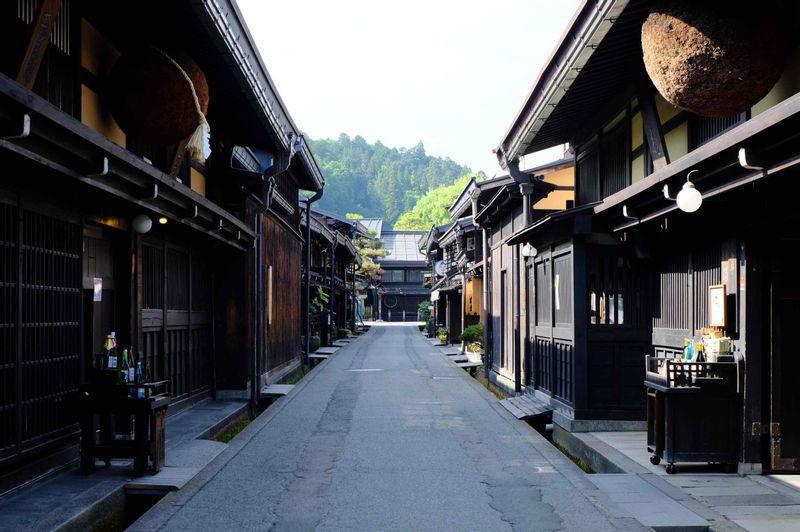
[(151, 100), (714, 58)]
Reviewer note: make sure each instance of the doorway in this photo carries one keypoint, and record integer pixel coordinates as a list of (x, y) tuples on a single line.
[(106, 290), (784, 403)]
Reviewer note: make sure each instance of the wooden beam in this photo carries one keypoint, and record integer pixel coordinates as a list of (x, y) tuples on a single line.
[(652, 131), (41, 30), (177, 159)]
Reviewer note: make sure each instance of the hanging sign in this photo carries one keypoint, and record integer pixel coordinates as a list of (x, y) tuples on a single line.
[(435, 295), (98, 289)]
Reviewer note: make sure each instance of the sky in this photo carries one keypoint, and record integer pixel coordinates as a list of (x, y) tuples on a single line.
[(451, 74)]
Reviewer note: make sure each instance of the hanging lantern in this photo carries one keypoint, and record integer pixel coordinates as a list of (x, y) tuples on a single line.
[(714, 58), (157, 96)]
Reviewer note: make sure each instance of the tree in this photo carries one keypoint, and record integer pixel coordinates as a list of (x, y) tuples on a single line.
[(370, 250), (431, 209), (378, 181)]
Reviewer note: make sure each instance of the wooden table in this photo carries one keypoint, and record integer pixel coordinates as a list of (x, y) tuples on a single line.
[(106, 412)]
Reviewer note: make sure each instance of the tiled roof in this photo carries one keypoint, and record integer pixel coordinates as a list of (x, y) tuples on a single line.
[(373, 224), (402, 245)]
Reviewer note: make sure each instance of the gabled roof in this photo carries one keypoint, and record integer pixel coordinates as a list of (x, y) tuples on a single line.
[(232, 39), (402, 246), (340, 223), (462, 224), (597, 62)]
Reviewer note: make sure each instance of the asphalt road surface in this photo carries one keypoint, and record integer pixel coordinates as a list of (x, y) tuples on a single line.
[(388, 434)]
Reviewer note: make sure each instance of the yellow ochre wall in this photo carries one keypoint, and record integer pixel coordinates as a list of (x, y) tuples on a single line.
[(473, 297), (97, 56), (557, 199), (197, 181)]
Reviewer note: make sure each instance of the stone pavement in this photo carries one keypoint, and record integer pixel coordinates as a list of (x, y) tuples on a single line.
[(753, 502), (388, 434), (72, 500)]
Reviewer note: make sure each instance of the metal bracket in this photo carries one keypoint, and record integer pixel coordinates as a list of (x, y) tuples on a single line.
[(193, 212), (103, 170), (749, 161), (630, 213), (152, 193), (26, 129)]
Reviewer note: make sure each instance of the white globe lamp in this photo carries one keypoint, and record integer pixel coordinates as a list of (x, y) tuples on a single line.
[(689, 198), (142, 224)]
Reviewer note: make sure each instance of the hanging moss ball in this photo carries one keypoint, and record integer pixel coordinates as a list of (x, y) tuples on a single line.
[(150, 97), (714, 58)]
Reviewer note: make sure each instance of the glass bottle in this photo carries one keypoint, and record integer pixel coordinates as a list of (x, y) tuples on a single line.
[(111, 355)]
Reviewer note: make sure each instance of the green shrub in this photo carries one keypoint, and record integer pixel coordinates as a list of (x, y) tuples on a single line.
[(344, 332), (423, 312), (473, 334), (441, 332)]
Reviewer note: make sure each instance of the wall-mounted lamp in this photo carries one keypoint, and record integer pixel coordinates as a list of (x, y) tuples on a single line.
[(529, 251), (162, 220), (689, 199), (142, 224)]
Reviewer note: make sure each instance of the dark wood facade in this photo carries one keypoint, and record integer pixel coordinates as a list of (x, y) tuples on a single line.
[(185, 296), (641, 267), (401, 289)]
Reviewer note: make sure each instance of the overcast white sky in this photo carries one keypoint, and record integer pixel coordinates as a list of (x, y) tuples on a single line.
[(449, 73)]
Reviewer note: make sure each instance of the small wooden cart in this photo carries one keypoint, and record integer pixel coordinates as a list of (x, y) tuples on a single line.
[(107, 410), (692, 410)]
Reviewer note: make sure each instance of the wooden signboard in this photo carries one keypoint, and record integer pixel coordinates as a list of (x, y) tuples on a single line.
[(716, 305)]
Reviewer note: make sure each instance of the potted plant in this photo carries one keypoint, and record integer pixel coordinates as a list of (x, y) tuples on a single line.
[(473, 337), (317, 313), (442, 333)]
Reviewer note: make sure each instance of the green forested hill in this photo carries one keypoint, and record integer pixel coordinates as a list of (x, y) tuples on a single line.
[(378, 181)]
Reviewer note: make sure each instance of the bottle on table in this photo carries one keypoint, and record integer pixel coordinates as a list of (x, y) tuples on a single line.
[(131, 367), (138, 380), (111, 354), (124, 368)]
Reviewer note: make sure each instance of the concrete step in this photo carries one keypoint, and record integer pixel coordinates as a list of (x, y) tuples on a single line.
[(276, 390), (326, 350), (647, 504)]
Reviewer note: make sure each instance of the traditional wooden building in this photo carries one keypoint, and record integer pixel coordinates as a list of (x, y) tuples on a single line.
[(627, 272), (502, 207), (109, 223), (401, 289), (334, 269)]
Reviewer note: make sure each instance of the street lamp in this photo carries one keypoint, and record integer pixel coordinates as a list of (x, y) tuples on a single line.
[(529, 251), (689, 199)]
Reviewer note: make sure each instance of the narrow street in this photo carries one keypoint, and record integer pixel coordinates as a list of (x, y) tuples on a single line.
[(388, 434)]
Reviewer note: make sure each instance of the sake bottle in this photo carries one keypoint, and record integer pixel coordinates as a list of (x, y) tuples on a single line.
[(111, 355), (124, 368)]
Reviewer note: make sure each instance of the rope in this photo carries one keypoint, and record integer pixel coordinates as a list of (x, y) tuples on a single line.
[(196, 140)]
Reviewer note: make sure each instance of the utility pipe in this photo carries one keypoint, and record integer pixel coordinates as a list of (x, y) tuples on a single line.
[(306, 307)]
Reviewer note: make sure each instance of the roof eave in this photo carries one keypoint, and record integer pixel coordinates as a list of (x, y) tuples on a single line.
[(589, 25)]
